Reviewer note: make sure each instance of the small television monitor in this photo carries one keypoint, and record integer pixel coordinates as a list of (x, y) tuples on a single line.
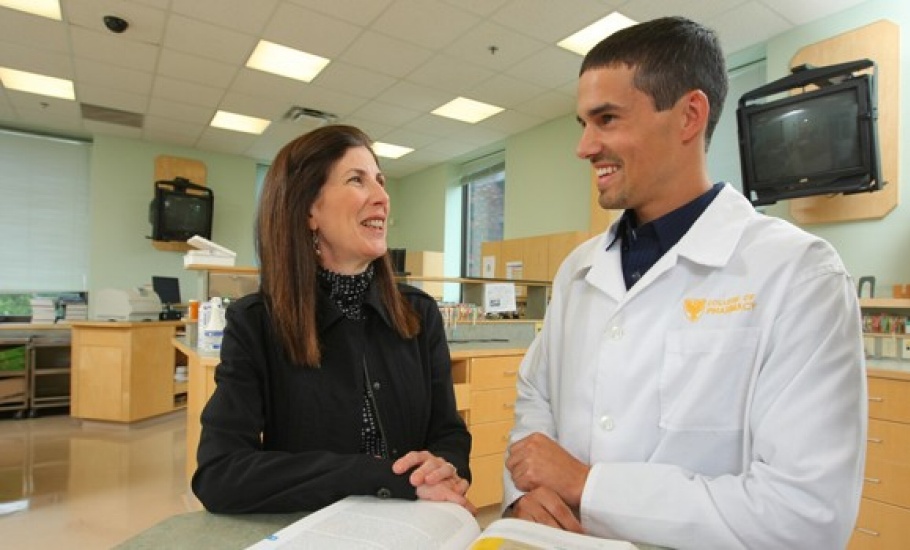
[(167, 289), (180, 210), (819, 142)]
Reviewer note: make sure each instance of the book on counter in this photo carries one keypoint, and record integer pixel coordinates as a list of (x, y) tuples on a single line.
[(393, 524)]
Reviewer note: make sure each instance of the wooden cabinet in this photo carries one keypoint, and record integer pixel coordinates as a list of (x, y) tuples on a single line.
[(124, 372), (884, 516), (490, 376)]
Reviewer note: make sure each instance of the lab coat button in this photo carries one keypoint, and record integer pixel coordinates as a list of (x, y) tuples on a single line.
[(384, 493), (377, 386), (616, 332), (606, 422)]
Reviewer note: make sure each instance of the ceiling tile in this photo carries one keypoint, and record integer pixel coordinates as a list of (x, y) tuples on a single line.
[(385, 54), (444, 72), (806, 11), (359, 12), (196, 115), (225, 141), (24, 58), (426, 23), (749, 24), (205, 40), (310, 31), (98, 74), (505, 91), (353, 80), (385, 113), (413, 96), (192, 68), (110, 48), (241, 15), (103, 96), (549, 105), (480, 7), (511, 122), (112, 129), (509, 47), (20, 28), (551, 67), (187, 92), (146, 24), (547, 20)]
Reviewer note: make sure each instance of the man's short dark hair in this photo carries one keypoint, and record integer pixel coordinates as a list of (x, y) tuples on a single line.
[(671, 56)]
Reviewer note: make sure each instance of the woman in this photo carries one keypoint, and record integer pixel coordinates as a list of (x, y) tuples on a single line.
[(334, 380)]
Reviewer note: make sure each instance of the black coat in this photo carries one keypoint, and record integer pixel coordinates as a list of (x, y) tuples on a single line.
[(279, 437)]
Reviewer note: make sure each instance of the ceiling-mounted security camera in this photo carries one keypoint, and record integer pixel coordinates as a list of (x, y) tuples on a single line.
[(115, 24)]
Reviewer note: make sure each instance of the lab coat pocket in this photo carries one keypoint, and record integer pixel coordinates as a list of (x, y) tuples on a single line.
[(704, 382)]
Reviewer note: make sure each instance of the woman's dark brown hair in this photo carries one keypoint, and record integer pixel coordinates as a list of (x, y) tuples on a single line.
[(284, 242)]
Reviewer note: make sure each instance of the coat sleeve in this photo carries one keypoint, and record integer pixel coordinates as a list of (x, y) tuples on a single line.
[(803, 450), (235, 474)]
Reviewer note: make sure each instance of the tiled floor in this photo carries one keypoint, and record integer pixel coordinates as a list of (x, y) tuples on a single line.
[(64, 484)]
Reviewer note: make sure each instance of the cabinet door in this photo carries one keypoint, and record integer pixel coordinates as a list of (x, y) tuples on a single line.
[(98, 389)]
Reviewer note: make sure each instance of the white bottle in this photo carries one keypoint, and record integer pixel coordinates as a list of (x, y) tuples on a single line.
[(213, 331)]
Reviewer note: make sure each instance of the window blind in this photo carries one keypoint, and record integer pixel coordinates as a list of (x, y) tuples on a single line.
[(44, 213)]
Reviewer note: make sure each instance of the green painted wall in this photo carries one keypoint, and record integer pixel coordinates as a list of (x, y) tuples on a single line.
[(547, 186)]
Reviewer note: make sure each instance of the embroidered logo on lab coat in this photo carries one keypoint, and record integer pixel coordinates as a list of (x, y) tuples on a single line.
[(696, 307)]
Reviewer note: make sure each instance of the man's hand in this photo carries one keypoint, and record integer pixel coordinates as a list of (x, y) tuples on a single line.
[(544, 506), (537, 461)]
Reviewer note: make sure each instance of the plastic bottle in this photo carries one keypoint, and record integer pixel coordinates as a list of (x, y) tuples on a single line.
[(213, 330)]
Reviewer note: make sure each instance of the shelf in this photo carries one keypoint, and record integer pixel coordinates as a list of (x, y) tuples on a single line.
[(172, 246), (180, 387), (884, 303)]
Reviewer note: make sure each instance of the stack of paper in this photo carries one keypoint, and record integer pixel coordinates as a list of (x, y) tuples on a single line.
[(208, 253)]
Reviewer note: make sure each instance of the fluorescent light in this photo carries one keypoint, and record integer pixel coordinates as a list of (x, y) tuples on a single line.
[(37, 83), (284, 61), (44, 8), (588, 37), (390, 151), (467, 110), (240, 123)]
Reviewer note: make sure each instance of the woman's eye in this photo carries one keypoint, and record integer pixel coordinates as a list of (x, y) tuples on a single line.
[(355, 179)]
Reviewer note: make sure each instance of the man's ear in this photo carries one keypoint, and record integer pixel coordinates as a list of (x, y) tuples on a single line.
[(695, 110)]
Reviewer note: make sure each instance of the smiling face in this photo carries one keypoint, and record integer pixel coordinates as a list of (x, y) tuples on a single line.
[(638, 153), (350, 213)]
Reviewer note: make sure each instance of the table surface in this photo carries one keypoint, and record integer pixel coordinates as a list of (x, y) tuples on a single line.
[(205, 531)]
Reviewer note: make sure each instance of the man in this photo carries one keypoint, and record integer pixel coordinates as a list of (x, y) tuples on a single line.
[(699, 379)]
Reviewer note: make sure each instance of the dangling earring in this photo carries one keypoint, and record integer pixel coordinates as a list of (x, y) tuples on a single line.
[(316, 243)]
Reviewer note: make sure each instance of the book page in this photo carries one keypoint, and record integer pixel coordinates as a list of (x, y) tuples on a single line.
[(516, 534), (364, 522)]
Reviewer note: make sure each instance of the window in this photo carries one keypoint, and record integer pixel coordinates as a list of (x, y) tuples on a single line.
[(44, 216), (484, 184)]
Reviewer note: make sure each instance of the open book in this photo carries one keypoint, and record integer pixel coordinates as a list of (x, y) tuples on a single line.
[(364, 522)]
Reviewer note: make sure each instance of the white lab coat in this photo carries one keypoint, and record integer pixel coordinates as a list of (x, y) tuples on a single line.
[(721, 401)]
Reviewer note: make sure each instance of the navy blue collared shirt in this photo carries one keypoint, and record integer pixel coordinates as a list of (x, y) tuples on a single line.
[(642, 245)]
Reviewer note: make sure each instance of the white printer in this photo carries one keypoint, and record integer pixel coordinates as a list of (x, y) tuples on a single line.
[(134, 304)]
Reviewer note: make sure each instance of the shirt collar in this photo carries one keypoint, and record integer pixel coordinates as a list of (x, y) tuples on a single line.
[(670, 227)]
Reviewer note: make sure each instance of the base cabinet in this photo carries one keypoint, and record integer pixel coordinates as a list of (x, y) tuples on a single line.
[(123, 372), (491, 379), (884, 514)]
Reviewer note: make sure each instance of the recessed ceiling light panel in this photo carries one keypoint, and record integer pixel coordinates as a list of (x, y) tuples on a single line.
[(239, 123), (44, 8), (467, 110), (37, 83), (283, 61), (390, 151), (582, 41)]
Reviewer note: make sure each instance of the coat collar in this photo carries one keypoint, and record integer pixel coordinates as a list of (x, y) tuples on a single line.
[(328, 313), (702, 244)]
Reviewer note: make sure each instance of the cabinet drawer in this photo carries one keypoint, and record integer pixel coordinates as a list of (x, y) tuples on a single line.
[(494, 372), (888, 441), (486, 482), (490, 437), (492, 405), (887, 481), (889, 399), (880, 527)]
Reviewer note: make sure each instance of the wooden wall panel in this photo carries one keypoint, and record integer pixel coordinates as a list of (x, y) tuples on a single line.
[(880, 42)]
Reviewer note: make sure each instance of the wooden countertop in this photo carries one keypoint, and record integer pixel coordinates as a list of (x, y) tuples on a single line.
[(34, 326), (209, 359), (125, 324), (888, 368)]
